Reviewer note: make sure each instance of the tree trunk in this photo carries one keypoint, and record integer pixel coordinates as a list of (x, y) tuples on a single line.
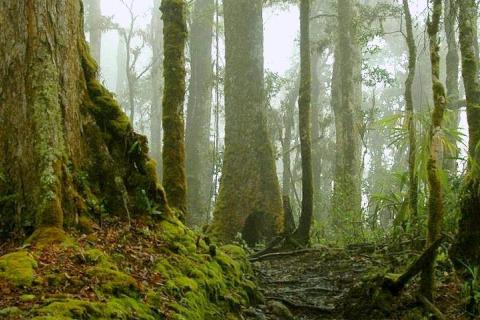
[(410, 115), (453, 94), (302, 234), (466, 248), (157, 87), (316, 136), (175, 36), (288, 123), (199, 112), (95, 29), (68, 149), (435, 163), (249, 184), (121, 77), (346, 87)]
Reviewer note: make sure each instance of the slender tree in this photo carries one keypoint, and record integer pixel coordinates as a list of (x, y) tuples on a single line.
[(199, 107), (249, 198), (157, 86), (175, 36), (452, 86), (95, 28), (302, 234), (410, 113), (66, 143), (466, 249), (435, 163)]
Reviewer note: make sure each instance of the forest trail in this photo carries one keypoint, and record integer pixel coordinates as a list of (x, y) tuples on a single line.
[(311, 283)]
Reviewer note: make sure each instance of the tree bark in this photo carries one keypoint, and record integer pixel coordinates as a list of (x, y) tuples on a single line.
[(302, 234), (452, 86), (465, 249), (435, 163), (249, 184), (68, 149), (288, 124), (175, 36), (316, 136), (157, 87), (346, 102), (199, 112), (410, 114)]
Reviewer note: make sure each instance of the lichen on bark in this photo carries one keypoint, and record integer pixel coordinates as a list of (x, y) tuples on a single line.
[(68, 146)]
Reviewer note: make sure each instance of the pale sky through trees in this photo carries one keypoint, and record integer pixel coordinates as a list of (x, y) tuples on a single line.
[(281, 29)]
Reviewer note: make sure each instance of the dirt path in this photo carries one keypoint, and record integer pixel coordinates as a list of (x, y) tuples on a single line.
[(310, 283)]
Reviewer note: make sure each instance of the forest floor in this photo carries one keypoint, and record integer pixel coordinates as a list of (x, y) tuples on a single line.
[(326, 283)]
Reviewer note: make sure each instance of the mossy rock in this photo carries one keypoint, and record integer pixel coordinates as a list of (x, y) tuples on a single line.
[(44, 237), (18, 268)]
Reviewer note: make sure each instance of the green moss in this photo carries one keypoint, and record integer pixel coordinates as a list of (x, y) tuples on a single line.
[(27, 297), (114, 308), (98, 258), (10, 312), (180, 285), (86, 225), (43, 237), (18, 268), (114, 282), (204, 287)]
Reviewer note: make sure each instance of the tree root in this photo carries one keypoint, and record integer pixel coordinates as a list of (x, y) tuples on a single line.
[(431, 307), (293, 304)]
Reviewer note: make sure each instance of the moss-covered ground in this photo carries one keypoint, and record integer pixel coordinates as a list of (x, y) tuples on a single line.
[(143, 271)]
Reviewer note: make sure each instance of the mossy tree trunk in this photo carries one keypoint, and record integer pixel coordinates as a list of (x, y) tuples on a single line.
[(302, 234), (157, 87), (199, 107), (175, 36), (94, 21), (249, 185), (435, 163), (410, 114), (346, 102), (68, 149), (466, 248), (452, 86)]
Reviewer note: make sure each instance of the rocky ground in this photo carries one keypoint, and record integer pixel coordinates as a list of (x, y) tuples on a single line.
[(326, 283)]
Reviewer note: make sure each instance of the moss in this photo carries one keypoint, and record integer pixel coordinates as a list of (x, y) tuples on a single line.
[(86, 225), (111, 281), (27, 297), (46, 236), (98, 258), (18, 268), (204, 287), (114, 308), (12, 312)]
